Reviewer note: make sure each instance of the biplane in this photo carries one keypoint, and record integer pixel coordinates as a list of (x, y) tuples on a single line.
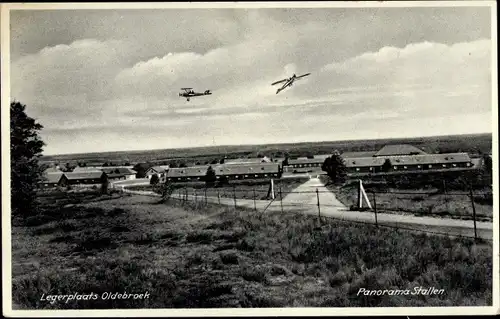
[(288, 82), (189, 93)]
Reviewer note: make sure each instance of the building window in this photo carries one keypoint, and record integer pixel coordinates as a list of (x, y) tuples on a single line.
[(357, 169), (371, 168), (430, 166), (236, 176), (265, 175), (468, 164), (405, 167), (395, 167), (444, 165), (246, 175), (418, 166), (454, 165)]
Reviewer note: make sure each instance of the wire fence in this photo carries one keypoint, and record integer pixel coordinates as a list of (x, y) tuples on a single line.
[(461, 211)]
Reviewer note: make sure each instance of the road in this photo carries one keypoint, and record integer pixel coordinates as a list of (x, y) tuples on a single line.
[(304, 199), (131, 182)]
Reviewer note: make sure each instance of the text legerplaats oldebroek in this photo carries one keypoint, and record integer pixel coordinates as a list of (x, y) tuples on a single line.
[(94, 296)]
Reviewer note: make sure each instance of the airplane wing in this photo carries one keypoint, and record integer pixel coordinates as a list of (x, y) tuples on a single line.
[(279, 81), (301, 76), (185, 89)]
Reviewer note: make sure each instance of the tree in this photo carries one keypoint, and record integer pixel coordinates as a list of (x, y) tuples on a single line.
[(104, 185), (26, 147), (69, 167), (210, 177), (154, 180), (488, 163), (141, 169), (166, 190), (387, 165), (335, 167), (285, 161), (182, 165)]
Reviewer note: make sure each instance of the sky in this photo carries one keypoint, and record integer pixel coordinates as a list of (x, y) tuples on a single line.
[(108, 80)]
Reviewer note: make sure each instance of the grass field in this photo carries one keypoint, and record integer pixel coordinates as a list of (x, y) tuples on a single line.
[(189, 256), (239, 189), (421, 198)]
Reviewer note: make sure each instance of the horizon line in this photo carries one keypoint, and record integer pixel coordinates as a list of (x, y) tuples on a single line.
[(279, 143)]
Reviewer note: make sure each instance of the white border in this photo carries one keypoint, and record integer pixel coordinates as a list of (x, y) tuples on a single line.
[(6, 225)]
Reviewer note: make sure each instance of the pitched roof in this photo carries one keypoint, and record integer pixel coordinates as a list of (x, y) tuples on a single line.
[(305, 160), (159, 168), (84, 175), (86, 169), (223, 169), (118, 171), (358, 154), (192, 171), (101, 168), (52, 170), (322, 156), (247, 169), (398, 149), (264, 159), (408, 160), (52, 177)]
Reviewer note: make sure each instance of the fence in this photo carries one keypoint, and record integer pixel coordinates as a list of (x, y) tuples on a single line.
[(388, 208)]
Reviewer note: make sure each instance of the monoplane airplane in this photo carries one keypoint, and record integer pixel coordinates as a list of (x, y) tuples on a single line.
[(189, 93), (288, 82)]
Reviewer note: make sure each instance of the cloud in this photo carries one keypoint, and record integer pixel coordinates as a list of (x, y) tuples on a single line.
[(97, 88), (420, 63)]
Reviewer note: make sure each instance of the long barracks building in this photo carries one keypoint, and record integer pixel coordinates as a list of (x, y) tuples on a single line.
[(228, 171), (390, 158)]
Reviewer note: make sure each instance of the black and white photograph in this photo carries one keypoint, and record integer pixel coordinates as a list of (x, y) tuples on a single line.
[(250, 158)]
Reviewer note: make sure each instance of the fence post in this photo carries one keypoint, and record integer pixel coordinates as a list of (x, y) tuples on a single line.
[(375, 208), (360, 200), (281, 199), (205, 194), (319, 209), (254, 203), (473, 209), (445, 195), (234, 195)]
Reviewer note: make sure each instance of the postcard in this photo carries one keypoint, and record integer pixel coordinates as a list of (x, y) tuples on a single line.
[(250, 159)]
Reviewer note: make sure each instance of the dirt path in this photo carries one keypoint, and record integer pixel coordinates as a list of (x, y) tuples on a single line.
[(331, 207), (304, 199)]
